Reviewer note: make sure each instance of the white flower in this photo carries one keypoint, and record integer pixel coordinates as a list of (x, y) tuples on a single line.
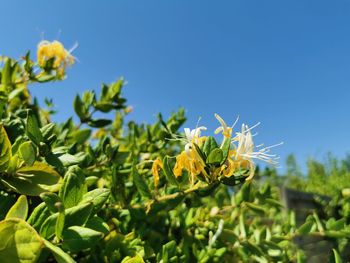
[(245, 149), (192, 136)]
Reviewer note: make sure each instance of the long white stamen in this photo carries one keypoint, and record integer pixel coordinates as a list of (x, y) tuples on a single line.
[(274, 145), (234, 124), (254, 126), (74, 47), (198, 122)]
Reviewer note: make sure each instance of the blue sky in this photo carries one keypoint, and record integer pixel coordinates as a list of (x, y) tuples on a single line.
[(284, 63)]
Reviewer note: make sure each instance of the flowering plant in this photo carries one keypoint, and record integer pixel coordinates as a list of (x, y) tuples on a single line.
[(230, 163), (103, 190)]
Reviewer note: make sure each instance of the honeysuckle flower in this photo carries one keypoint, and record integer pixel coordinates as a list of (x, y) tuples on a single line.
[(55, 49), (193, 136), (188, 162), (235, 155), (245, 151), (156, 166), (229, 167)]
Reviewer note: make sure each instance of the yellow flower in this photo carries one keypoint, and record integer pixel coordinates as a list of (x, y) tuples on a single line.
[(156, 166), (229, 167), (182, 162), (189, 159), (55, 49), (190, 162)]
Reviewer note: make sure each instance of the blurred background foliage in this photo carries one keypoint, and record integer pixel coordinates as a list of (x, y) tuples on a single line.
[(326, 177)]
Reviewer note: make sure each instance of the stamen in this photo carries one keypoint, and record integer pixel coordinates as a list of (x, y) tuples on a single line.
[(233, 125)]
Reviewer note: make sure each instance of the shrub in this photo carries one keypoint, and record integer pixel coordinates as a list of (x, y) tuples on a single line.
[(103, 190)]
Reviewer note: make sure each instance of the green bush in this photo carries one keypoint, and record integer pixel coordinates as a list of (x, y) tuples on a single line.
[(103, 190)]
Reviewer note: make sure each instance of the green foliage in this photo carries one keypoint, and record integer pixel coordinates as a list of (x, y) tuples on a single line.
[(93, 191), (19, 209), (19, 241), (326, 178), (5, 147)]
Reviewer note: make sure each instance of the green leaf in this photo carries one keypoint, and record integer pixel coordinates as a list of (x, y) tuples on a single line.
[(33, 129), (225, 147), (337, 258), (209, 145), (319, 224), (168, 172), (28, 152), (301, 258), (135, 259), (104, 106), (33, 180), (115, 88), (121, 157), (336, 225), (207, 190), (42, 78), (220, 252), (97, 197), (337, 234), (6, 202), (164, 205), (80, 109), (77, 238), (215, 157), (16, 144), (168, 251), (89, 97), (140, 183), (5, 147), (274, 202), (19, 242), (306, 228), (53, 160), (77, 215), (69, 159), (73, 187), (47, 130), (6, 76), (60, 225), (256, 208), (39, 215), (244, 193), (228, 235), (53, 202), (96, 223), (99, 123), (242, 226), (13, 165), (59, 254), (199, 151), (16, 92), (80, 136), (19, 209)]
